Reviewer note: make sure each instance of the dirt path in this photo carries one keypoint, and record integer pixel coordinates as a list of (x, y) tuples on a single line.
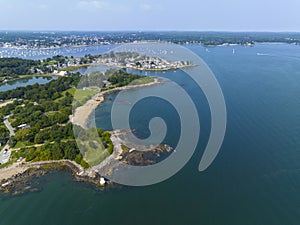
[(5, 103), (18, 168)]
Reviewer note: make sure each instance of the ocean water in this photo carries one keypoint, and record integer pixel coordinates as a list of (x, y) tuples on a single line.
[(254, 180), (48, 53)]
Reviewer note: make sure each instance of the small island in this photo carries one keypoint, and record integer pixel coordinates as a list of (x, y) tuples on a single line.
[(136, 61)]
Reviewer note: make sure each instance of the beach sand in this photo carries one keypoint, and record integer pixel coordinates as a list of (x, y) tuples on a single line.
[(81, 115), (10, 172)]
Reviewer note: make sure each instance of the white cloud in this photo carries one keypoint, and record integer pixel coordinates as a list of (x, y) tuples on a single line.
[(92, 5)]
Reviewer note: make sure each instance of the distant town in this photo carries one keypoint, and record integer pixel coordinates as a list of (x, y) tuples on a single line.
[(44, 40), (139, 62)]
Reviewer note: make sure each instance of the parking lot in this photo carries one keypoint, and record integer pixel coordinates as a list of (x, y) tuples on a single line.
[(5, 155)]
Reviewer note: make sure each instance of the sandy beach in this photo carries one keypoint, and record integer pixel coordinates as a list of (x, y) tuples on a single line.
[(81, 115), (9, 172)]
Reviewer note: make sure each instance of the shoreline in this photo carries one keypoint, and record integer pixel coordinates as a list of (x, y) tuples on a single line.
[(135, 155), (82, 114), (18, 168), (16, 176)]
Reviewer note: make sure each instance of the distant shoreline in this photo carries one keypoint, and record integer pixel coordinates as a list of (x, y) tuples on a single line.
[(144, 69), (120, 43)]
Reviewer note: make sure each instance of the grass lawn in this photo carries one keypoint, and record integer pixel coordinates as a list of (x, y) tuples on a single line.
[(143, 80), (53, 62), (72, 68), (82, 96), (94, 156), (21, 144), (6, 164), (71, 91)]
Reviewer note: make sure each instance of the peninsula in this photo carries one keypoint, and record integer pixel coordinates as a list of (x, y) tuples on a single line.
[(37, 129), (15, 68)]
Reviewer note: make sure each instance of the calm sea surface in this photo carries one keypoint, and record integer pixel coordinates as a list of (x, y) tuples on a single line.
[(255, 180), (47, 53)]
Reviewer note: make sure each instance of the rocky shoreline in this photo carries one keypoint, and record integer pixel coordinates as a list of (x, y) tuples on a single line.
[(16, 179), (138, 156), (20, 183), (23, 175)]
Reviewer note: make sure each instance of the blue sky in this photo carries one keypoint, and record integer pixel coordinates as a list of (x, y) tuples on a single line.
[(210, 15)]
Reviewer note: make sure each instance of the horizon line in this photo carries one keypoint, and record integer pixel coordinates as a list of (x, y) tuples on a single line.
[(141, 31)]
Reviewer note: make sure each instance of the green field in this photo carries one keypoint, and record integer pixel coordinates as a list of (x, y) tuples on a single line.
[(71, 91), (143, 80), (82, 96), (95, 152)]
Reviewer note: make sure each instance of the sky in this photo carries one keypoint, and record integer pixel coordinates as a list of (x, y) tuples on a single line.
[(151, 15)]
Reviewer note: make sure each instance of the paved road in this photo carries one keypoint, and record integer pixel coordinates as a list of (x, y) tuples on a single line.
[(9, 127)]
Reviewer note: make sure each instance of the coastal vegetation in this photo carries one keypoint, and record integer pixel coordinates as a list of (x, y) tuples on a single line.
[(121, 78), (40, 115), (96, 145), (42, 93), (13, 67), (43, 131), (4, 134)]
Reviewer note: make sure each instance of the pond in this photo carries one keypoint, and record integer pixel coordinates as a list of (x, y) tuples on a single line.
[(25, 82)]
